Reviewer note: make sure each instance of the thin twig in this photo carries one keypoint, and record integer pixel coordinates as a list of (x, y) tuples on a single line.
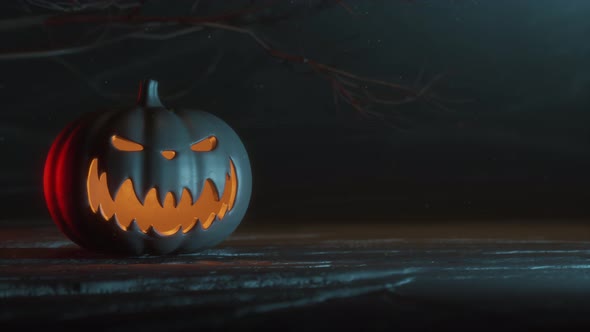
[(89, 82), (76, 6), (210, 70), (351, 88), (195, 6), (61, 51)]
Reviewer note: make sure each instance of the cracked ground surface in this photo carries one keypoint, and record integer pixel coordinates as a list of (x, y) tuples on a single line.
[(317, 277)]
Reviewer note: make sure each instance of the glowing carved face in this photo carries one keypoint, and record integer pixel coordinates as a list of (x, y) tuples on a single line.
[(174, 213)]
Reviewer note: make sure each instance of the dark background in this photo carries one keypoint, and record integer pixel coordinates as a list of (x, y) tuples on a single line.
[(518, 150)]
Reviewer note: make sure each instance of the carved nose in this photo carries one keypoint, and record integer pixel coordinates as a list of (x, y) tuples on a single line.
[(168, 154)]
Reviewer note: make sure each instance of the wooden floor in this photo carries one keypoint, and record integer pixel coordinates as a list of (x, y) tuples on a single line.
[(319, 277)]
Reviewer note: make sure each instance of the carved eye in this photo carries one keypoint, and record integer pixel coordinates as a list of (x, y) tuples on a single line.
[(123, 144), (204, 145)]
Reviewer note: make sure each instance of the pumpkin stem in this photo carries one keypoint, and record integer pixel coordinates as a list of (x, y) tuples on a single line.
[(148, 94)]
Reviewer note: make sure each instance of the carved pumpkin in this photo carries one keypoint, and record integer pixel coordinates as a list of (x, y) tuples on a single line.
[(147, 179)]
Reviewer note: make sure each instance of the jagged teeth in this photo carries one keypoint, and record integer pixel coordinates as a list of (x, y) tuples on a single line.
[(186, 199), (169, 201), (171, 215), (151, 199), (223, 210)]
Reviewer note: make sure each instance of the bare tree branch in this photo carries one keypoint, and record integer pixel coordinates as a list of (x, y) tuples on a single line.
[(352, 89), (78, 6), (23, 22), (95, 44), (89, 82)]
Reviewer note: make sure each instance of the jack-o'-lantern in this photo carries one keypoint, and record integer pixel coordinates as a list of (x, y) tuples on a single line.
[(147, 180)]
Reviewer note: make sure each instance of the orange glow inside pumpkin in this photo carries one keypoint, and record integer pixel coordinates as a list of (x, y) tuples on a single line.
[(166, 217), (168, 154), (205, 145), (124, 144)]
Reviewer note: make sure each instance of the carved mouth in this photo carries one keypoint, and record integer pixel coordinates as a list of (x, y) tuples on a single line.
[(167, 218)]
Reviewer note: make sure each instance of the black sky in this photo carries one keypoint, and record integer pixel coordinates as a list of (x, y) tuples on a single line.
[(519, 149)]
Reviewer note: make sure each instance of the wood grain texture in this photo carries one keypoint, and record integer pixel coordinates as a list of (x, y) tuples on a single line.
[(451, 277)]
